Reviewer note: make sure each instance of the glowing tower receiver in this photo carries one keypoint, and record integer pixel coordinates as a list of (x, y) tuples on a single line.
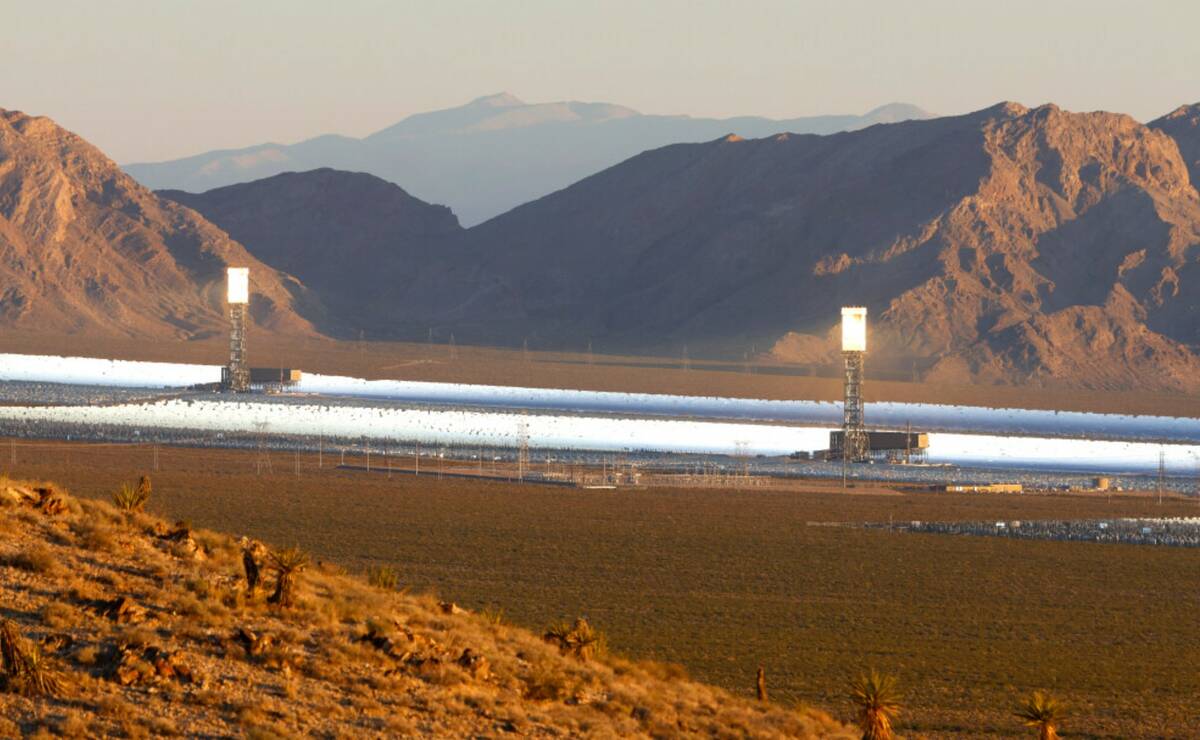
[(236, 375), (855, 443), (854, 329)]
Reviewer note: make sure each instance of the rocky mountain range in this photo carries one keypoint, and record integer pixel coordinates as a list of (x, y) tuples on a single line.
[(85, 248), (1183, 125), (350, 237), (492, 154), (1007, 245)]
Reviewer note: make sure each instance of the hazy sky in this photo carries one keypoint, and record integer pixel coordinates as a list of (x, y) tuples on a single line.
[(159, 79)]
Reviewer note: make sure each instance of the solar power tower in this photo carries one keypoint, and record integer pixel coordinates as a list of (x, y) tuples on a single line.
[(856, 445), (236, 375)]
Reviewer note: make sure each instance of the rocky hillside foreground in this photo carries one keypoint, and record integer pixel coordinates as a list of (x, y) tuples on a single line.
[(115, 623)]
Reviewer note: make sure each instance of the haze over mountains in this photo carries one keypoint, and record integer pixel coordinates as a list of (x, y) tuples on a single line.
[(85, 248), (492, 154)]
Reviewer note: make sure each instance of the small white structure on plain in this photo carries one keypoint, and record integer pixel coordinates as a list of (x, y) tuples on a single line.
[(854, 329), (238, 285)]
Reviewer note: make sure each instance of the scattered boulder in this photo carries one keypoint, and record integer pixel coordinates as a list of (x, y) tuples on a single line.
[(475, 664), (123, 610), (254, 644), (181, 544), (131, 666), (45, 499)]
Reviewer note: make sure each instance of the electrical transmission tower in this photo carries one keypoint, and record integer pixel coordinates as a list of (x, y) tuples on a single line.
[(1162, 473), (522, 449), (262, 460)]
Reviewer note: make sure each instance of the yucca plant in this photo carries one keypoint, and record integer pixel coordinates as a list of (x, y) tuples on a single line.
[(877, 701), (130, 498), (1043, 712), (10, 648), (384, 577), (24, 670), (286, 564), (36, 678), (580, 640)]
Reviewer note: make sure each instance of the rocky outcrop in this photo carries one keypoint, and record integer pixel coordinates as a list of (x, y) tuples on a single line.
[(1183, 125)]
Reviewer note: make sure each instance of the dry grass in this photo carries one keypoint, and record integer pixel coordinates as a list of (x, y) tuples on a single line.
[(175, 652), (37, 558)]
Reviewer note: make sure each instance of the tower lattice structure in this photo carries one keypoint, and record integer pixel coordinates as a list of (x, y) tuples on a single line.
[(237, 373), (856, 445)]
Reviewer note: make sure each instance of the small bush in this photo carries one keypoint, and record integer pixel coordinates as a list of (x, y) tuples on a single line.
[(23, 669), (86, 655), (94, 535), (384, 577), (579, 640), (877, 704), (545, 683), (133, 499), (287, 565), (36, 559), (57, 615)]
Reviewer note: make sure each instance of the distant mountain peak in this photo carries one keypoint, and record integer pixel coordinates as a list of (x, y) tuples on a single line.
[(895, 112), (495, 152), (497, 100), (1189, 112)]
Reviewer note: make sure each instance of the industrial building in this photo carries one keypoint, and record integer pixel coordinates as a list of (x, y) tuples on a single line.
[(906, 447)]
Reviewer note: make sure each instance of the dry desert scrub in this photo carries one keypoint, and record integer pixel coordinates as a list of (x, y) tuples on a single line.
[(128, 626)]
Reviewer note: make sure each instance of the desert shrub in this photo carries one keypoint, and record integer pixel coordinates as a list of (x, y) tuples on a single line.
[(287, 565), (384, 577), (86, 655), (72, 725), (201, 587), (36, 559), (163, 726), (23, 668), (1042, 712), (579, 640), (547, 683), (493, 614), (58, 615), (94, 534), (137, 637), (133, 498), (877, 704)]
